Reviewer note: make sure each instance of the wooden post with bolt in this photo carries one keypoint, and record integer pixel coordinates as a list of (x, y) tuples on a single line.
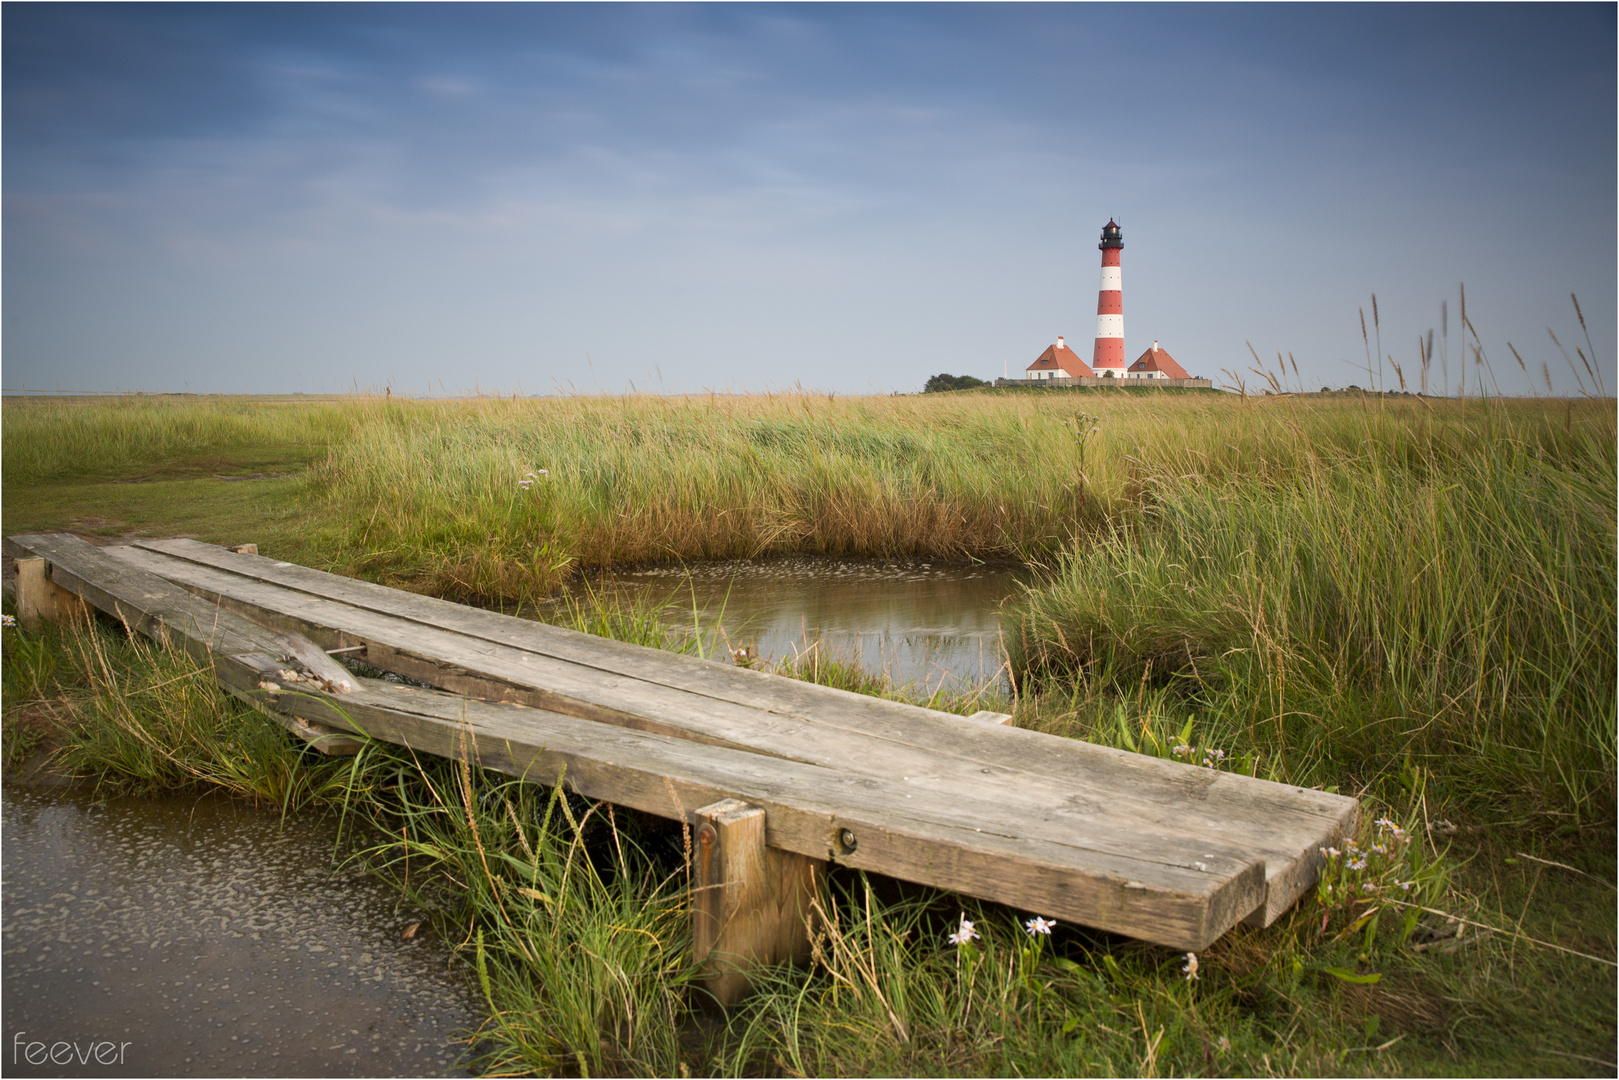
[(41, 600), (750, 902)]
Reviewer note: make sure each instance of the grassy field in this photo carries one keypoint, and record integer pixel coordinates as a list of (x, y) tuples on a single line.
[(428, 493), (1404, 599)]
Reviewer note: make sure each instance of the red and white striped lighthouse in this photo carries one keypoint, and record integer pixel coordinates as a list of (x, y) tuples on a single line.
[(1109, 356)]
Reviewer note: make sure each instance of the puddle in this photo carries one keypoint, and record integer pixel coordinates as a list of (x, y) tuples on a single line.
[(197, 936), (923, 623)]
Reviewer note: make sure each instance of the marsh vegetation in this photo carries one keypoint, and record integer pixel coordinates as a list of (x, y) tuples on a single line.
[(1406, 599)]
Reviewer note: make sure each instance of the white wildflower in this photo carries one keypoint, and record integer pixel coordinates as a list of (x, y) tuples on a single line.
[(1358, 864), (1190, 967), (1038, 925), (8, 620), (965, 934)]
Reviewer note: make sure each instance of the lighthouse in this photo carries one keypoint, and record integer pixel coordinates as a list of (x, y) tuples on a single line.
[(1109, 356)]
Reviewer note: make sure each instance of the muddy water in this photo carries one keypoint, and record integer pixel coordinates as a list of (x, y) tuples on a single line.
[(198, 937), (924, 624)]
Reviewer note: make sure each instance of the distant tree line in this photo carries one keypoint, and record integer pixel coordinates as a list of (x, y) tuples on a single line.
[(951, 382)]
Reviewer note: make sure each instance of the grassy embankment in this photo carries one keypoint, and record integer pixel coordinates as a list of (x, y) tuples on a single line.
[(426, 494), (1414, 601)]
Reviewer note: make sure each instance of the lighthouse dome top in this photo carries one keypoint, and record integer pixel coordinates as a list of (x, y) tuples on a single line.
[(1112, 237)]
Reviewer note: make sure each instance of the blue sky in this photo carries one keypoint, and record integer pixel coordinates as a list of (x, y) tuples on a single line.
[(548, 198)]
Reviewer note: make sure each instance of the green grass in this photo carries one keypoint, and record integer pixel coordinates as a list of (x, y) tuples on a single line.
[(573, 919), (227, 470), (1431, 603), (54, 440), (1411, 601), (426, 494)]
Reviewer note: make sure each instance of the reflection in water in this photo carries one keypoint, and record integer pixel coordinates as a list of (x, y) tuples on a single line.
[(202, 937), (921, 623)]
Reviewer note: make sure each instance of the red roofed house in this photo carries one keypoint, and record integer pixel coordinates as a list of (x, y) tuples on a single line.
[(1058, 362), (1155, 363)]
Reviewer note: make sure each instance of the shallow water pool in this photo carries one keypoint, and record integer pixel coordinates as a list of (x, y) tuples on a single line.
[(188, 936), (925, 624)]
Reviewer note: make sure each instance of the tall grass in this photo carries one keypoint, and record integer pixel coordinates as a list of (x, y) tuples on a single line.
[(430, 489), (139, 717), (579, 941), (1379, 591), (57, 439)]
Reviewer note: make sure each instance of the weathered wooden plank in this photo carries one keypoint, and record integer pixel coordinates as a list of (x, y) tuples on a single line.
[(144, 602), (321, 737), (1161, 888), (495, 671), (333, 677), (1152, 856), (1113, 882), (1285, 825), (245, 651)]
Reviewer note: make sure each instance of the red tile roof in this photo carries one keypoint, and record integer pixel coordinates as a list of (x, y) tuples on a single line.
[(1061, 356), (1156, 359)]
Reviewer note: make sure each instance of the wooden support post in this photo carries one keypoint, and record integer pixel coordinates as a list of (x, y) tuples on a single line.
[(244, 549), (750, 903), (41, 600)]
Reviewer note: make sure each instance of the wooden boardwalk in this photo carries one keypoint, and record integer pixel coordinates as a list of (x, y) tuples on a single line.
[(1159, 850)]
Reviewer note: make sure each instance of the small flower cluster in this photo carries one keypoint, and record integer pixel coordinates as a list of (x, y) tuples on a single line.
[(1189, 969), (1035, 928), (1211, 758), (1357, 873), (8, 620), (530, 479)]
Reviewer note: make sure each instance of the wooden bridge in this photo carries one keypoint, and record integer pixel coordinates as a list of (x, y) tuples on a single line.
[(777, 776)]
